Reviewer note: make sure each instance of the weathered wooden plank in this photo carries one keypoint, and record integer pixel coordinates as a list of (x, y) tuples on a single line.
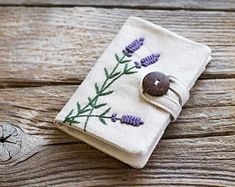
[(60, 45), (191, 162), (160, 4)]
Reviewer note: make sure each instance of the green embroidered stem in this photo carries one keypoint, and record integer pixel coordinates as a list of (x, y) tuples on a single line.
[(95, 116), (124, 119), (92, 104), (119, 77), (88, 116), (104, 87)]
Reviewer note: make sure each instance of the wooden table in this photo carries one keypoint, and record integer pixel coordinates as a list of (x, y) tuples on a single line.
[(46, 50)]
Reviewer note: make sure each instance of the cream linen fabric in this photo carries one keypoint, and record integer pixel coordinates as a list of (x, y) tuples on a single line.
[(179, 57)]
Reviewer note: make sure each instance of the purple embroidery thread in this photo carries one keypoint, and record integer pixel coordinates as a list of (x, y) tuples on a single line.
[(134, 46), (151, 59), (114, 117), (131, 120), (137, 65), (128, 119)]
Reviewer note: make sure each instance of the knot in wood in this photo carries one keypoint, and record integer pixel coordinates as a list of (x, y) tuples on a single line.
[(10, 141)]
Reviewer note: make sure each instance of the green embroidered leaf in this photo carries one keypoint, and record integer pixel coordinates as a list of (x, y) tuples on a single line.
[(115, 74), (90, 101), (78, 107), (130, 72), (102, 121), (97, 88), (106, 93), (117, 57), (106, 73), (125, 68), (66, 119), (70, 113), (83, 111), (76, 121), (100, 105), (73, 121), (125, 61), (105, 112)]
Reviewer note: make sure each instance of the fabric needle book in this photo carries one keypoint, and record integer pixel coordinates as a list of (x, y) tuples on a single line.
[(138, 85)]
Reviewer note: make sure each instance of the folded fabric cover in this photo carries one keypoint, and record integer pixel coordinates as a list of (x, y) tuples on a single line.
[(111, 111)]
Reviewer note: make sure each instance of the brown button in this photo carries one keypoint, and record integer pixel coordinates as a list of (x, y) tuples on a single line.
[(156, 84)]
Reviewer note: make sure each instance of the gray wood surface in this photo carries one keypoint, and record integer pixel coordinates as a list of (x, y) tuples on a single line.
[(46, 43), (40, 48), (226, 5)]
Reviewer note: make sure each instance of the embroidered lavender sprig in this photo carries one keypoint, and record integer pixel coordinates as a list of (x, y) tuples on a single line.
[(146, 61), (131, 120), (128, 119), (133, 47), (102, 90), (124, 119), (151, 59)]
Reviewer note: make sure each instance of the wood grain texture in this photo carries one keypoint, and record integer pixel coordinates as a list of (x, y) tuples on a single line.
[(47, 52), (201, 141), (11, 141), (44, 45), (189, 162), (151, 4)]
